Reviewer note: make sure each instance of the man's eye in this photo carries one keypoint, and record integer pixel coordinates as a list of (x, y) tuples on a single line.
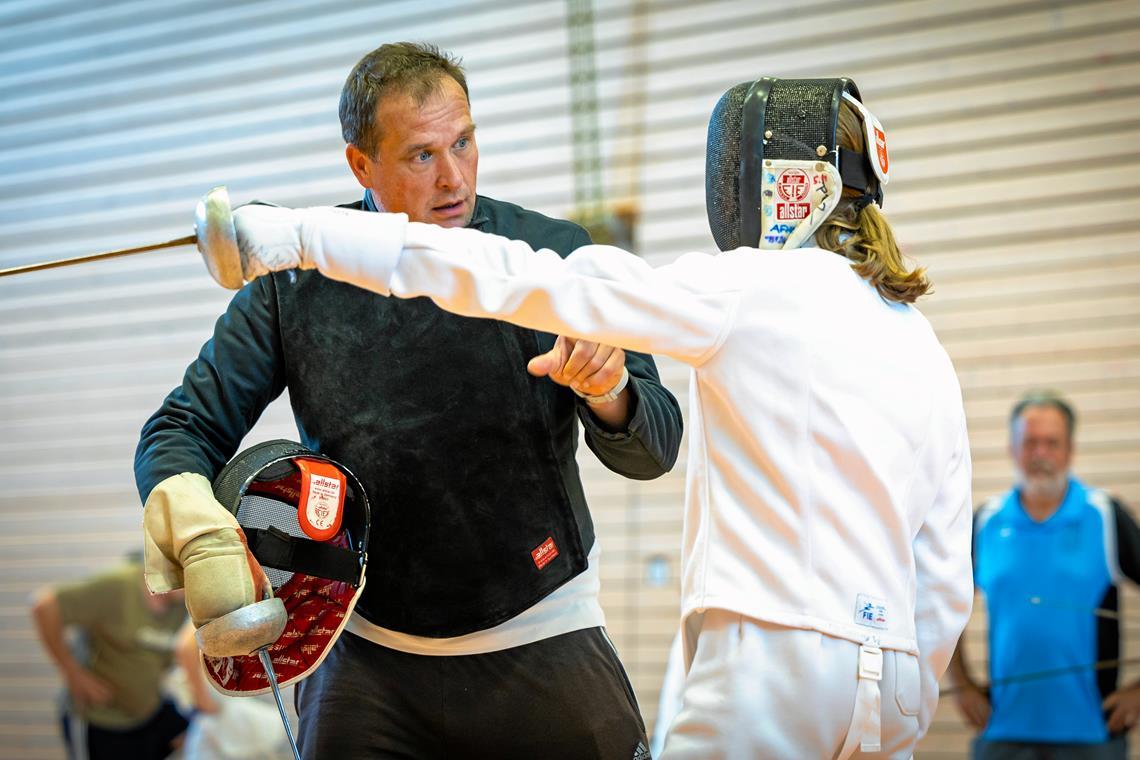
[(462, 142), (422, 156)]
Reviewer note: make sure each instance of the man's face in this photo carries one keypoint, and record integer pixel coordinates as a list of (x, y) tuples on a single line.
[(427, 159), (1042, 451)]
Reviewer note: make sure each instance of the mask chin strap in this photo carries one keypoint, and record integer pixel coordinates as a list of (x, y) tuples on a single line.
[(853, 168), (796, 198)]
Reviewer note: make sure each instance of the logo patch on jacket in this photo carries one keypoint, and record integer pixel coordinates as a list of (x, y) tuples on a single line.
[(545, 553), (870, 611)]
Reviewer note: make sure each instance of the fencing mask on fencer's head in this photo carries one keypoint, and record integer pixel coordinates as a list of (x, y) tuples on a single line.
[(774, 170), (306, 519)]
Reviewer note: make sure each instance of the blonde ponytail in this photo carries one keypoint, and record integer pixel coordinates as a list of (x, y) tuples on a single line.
[(865, 238), (859, 232)]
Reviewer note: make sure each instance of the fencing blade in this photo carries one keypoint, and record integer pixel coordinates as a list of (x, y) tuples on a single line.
[(267, 663), (188, 240), (214, 235)]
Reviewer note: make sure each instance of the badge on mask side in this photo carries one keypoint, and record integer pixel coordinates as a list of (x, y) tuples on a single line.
[(876, 140), (797, 196)]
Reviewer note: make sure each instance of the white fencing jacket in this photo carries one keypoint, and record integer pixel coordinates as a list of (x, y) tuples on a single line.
[(828, 482)]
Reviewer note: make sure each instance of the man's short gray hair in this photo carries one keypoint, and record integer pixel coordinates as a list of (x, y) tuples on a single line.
[(1043, 397), (411, 68)]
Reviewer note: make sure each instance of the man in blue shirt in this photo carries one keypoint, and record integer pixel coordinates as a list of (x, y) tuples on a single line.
[(1048, 557)]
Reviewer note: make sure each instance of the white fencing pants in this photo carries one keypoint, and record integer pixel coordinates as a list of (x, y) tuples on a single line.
[(757, 690)]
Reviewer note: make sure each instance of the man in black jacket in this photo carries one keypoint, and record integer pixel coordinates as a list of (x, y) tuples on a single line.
[(479, 632)]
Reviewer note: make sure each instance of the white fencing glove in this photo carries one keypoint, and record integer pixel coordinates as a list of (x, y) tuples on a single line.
[(358, 247)]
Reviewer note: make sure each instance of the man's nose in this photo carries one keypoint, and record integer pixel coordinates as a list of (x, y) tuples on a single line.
[(449, 176)]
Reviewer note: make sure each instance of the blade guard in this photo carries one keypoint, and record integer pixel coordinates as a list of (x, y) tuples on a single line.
[(217, 239)]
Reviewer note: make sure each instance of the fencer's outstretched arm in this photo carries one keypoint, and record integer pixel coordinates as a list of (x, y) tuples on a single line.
[(598, 293)]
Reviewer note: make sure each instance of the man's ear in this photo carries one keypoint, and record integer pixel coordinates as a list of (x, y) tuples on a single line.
[(361, 165)]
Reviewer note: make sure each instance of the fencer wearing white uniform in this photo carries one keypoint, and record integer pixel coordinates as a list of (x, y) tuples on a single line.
[(826, 566), (828, 483)]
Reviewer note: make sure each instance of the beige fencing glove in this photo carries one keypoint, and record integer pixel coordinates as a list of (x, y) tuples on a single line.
[(194, 542)]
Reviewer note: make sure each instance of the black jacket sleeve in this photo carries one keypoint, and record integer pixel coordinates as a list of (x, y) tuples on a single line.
[(648, 448), (238, 372), (1127, 542)]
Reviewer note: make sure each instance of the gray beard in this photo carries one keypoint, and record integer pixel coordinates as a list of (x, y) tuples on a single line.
[(1043, 486)]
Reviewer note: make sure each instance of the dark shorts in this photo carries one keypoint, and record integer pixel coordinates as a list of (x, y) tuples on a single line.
[(1116, 749), (149, 741), (563, 697)]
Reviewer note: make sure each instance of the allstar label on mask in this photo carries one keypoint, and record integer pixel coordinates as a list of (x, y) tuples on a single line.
[(797, 197), (792, 212), (793, 186), (545, 553), (321, 506), (222, 668)]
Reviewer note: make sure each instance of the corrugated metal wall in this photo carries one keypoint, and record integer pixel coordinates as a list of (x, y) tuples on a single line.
[(1013, 137)]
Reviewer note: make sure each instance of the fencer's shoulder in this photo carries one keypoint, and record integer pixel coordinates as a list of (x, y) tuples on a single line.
[(801, 260), (511, 220)]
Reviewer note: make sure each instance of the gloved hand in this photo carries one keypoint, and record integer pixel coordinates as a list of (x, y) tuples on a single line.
[(192, 541), (358, 247), (269, 239)]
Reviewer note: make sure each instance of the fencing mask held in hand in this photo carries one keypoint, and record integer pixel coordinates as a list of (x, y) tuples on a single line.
[(306, 519)]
